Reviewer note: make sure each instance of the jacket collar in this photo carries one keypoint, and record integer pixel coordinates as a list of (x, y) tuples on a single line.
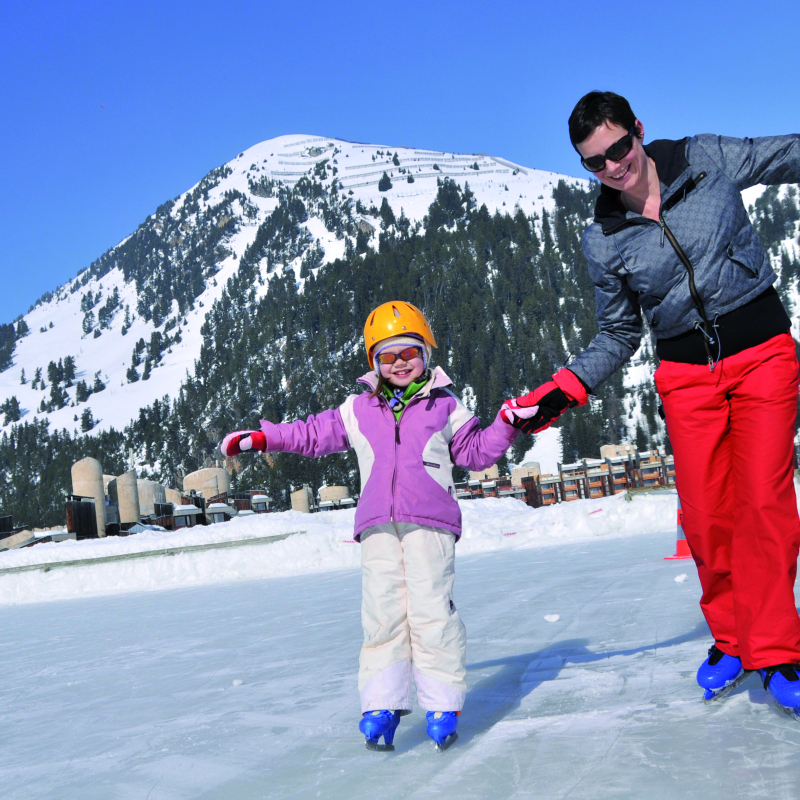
[(670, 159), (438, 380)]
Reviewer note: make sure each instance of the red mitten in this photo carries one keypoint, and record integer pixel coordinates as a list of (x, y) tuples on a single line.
[(242, 441), (539, 409)]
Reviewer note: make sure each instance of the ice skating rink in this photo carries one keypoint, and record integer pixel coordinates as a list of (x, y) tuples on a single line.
[(238, 691)]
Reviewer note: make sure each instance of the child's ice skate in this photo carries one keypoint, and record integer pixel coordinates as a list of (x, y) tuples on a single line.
[(375, 724), (442, 728)]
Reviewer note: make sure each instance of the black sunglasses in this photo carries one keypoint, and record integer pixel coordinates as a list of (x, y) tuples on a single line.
[(616, 152)]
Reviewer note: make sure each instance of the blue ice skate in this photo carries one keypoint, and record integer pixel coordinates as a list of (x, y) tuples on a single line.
[(442, 728), (720, 674), (783, 682), (375, 724)]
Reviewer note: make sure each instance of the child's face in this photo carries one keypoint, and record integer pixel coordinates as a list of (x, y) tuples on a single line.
[(402, 373)]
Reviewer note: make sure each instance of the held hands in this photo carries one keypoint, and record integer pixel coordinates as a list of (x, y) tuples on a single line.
[(242, 441), (539, 409)]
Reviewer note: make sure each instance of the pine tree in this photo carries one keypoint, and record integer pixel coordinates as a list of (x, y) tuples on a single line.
[(385, 183), (154, 348), (87, 420), (98, 385), (642, 441), (11, 411), (22, 377), (82, 392), (52, 372), (8, 341), (58, 396), (387, 215), (69, 370)]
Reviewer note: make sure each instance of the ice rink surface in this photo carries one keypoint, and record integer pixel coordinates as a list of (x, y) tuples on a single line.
[(248, 690)]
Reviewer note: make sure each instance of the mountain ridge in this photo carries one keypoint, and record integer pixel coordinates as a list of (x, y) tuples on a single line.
[(173, 266)]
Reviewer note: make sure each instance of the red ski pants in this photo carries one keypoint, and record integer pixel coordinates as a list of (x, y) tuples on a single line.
[(731, 431)]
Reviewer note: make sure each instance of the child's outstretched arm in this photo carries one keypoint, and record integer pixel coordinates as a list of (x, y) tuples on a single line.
[(476, 449), (318, 435)]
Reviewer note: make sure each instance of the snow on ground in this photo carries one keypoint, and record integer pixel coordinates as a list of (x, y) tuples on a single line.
[(325, 544), (245, 690)]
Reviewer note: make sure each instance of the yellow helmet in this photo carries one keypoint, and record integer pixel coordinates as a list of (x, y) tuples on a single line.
[(395, 319)]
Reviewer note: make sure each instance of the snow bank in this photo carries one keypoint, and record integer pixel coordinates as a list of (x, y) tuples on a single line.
[(325, 544)]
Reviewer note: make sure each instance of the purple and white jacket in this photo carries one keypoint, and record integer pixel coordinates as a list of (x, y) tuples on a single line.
[(407, 465)]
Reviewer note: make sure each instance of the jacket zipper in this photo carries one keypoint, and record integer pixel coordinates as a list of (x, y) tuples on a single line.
[(707, 332), (708, 335), (396, 443), (394, 470), (698, 301)]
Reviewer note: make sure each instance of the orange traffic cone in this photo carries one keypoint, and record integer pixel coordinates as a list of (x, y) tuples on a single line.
[(682, 548)]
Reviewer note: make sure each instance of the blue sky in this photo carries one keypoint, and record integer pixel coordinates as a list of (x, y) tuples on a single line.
[(109, 109)]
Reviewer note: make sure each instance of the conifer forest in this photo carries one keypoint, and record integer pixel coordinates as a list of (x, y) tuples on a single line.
[(508, 296)]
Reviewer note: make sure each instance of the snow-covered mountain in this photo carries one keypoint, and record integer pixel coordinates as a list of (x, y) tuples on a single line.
[(165, 277)]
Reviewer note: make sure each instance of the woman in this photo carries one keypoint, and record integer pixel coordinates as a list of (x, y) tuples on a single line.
[(671, 237)]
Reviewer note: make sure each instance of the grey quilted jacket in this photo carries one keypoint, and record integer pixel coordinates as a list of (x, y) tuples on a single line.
[(634, 267)]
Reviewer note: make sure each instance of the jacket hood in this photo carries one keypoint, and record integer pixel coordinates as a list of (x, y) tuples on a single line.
[(670, 159)]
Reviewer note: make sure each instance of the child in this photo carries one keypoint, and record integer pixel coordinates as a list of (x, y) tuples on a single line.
[(407, 431)]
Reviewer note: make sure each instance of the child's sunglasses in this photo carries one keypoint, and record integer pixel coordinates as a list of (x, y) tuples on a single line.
[(616, 152), (403, 355)]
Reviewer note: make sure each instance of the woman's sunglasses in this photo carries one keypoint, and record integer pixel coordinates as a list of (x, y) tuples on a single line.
[(403, 355), (616, 152)]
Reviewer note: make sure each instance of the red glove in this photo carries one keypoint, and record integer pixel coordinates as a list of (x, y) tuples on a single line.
[(539, 409), (241, 441)]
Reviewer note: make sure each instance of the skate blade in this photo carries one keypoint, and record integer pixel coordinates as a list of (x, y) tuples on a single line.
[(794, 713), (380, 748), (440, 748), (729, 688)]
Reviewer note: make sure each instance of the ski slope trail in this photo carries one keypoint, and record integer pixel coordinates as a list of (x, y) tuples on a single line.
[(248, 690)]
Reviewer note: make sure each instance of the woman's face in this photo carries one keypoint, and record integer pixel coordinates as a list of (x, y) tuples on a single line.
[(630, 171), (402, 373)]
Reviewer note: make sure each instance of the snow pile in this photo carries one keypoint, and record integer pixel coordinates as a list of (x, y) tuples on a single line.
[(325, 544)]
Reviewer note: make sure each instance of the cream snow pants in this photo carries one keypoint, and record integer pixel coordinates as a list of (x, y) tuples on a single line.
[(410, 621)]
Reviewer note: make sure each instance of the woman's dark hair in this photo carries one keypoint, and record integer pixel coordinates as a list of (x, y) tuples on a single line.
[(593, 110)]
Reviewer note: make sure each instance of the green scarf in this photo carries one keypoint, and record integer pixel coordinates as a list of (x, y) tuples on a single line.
[(398, 398)]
